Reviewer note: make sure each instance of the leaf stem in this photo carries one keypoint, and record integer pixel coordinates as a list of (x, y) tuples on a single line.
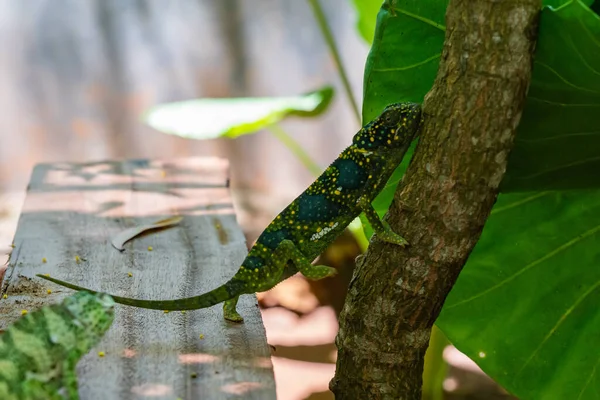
[(296, 149), (328, 36)]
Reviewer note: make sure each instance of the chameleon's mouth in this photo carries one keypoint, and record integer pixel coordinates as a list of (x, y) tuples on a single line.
[(364, 151)]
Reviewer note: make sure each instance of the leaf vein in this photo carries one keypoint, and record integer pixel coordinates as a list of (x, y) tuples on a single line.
[(422, 19), (529, 266), (564, 166), (591, 36), (583, 60), (563, 104), (557, 325), (589, 379), (565, 80), (517, 203), (415, 65), (561, 136)]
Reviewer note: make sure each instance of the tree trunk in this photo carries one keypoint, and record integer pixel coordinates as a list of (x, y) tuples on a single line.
[(471, 115)]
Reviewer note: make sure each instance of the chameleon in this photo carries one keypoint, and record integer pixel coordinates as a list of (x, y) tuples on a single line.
[(39, 352), (304, 229)]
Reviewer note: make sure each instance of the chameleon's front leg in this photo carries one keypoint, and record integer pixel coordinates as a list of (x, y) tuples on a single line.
[(381, 228), (287, 251)]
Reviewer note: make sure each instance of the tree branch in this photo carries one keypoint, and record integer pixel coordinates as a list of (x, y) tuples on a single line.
[(471, 115)]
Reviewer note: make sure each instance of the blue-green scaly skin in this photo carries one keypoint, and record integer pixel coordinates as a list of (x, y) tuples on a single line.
[(39, 352), (305, 228)]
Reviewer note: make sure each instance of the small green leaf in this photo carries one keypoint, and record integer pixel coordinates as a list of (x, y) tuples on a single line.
[(232, 117)]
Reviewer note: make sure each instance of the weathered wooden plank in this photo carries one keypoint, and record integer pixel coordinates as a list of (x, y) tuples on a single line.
[(72, 210)]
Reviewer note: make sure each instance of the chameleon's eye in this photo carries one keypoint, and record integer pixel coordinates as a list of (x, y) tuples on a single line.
[(390, 119)]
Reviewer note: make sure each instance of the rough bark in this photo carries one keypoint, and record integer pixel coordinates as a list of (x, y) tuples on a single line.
[(471, 115)]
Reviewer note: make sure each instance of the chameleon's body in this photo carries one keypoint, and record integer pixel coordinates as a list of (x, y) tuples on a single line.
[(39, 352), (305, 228)]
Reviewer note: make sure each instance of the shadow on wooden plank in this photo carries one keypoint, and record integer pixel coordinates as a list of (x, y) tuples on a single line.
[(66, 233)]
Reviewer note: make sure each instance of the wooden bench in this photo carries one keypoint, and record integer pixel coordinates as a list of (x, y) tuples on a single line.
[(70, 213)]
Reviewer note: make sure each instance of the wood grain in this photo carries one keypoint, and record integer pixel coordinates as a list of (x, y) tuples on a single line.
[(72, 210)]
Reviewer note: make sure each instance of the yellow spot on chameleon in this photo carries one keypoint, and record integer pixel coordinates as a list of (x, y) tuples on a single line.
[(23, 312), (44, 260), (337, 192), (201, 336), (49, 291), (166, 311), (319, 229), (129, 274), (5, 296), (77, 259), (101, 354)]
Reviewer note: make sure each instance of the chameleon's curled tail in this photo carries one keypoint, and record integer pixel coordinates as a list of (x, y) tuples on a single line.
[(227, 291)]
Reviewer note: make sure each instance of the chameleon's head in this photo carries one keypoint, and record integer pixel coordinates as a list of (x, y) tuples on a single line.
[(394, 128), (92, 312)]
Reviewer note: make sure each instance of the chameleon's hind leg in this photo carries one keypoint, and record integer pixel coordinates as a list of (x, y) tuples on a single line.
[(229, 310), (381, 228), (287, 251)]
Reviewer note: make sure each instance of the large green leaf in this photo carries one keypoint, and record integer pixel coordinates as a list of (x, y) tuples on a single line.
[(558, 142), (232, 117), (525, 307)]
